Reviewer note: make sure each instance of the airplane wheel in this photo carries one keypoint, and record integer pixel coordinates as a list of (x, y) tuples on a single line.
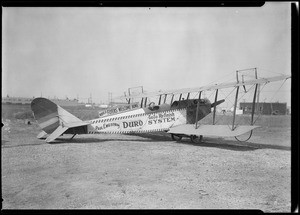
[(201, 138), (194, 139), (176, 137)]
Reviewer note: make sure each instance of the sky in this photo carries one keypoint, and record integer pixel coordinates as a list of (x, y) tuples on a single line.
[(78, 52)]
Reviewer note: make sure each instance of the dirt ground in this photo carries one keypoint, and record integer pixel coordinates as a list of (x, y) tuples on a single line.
[(145, 171)]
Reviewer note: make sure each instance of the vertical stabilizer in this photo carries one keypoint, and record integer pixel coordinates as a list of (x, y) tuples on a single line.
[(51, 117)]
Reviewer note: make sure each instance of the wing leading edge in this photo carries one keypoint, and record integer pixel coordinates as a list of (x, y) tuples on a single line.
[(210, 87)]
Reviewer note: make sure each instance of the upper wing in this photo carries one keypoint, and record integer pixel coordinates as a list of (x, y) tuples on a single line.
[(209, 87), (211, 130)]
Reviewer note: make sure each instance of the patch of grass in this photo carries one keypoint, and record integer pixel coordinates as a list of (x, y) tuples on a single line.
[(24, 115), (12, 111)]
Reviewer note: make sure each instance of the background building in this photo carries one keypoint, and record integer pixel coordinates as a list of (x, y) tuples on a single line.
[(27, 101), (265, 108)]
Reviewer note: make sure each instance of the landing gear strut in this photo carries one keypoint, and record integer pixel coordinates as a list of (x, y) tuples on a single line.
[(194, 138), (72, 137)]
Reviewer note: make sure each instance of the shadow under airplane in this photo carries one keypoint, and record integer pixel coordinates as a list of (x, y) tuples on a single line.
[(220, 143)]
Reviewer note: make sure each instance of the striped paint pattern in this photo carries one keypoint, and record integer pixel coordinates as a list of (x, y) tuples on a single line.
[(46, 113), (138, 122)]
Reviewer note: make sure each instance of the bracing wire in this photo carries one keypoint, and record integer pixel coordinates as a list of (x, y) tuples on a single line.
[(225, 99), (259, 113), (227, 95), (226, 75), (262, 69), (233, 104), (242, 97), (270, 99), (278, 90)]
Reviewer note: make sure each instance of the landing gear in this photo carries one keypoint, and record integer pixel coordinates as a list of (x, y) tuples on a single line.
[(176, 137), (72, 137), (250, 134), (194, 139)]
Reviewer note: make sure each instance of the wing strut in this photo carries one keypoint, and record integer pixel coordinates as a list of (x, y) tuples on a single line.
[(172, 98), (165, 98), (244, 85), (235, 104), (254, 98), (197, 111), (214, 114), (142, 102), (200, 94), (159, 100), (180, 97), (253, 104)]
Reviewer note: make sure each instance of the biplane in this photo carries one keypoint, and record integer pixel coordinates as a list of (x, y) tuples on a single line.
[(180, 117)]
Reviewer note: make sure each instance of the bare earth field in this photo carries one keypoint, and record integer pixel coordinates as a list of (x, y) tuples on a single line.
[(147, 170)]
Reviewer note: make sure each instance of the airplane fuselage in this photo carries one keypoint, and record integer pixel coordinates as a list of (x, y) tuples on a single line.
[(160, 118), (138, 121)]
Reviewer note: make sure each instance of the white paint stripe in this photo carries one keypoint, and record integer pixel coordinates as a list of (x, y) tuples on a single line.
[(45, 118), (49, 122)]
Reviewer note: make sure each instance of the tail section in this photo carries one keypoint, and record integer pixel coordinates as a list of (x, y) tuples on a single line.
[(54, 120)]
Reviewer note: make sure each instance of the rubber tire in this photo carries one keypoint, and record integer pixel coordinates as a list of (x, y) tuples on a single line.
[(178, 137), (194, 137)]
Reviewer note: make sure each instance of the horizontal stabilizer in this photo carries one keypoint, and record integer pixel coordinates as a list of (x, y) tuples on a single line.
[(211, 130), (59, 131), (76, 124), (54, 120)]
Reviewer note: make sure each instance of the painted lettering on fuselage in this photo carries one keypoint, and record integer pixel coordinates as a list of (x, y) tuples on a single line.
[(140, 122), (161, 118), (107, 126), (133, 124)]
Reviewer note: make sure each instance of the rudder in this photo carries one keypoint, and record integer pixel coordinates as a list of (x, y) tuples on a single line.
[(50, 115)]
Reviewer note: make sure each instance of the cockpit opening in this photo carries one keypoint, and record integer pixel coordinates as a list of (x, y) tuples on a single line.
[(153, 107)]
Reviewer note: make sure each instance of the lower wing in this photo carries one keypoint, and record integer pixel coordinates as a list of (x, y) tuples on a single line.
[(211, 130)]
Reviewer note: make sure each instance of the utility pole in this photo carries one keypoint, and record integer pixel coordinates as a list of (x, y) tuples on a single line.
[(109, 97), (90, 100)]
